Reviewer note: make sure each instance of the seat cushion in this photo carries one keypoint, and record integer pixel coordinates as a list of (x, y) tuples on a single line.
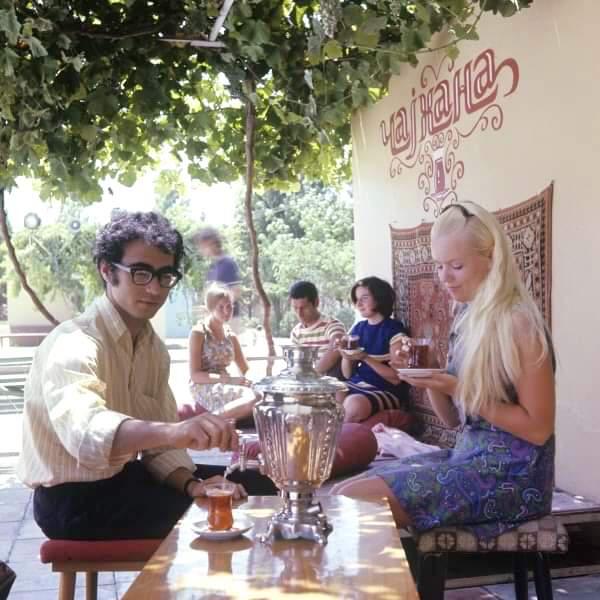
[(396, 418), (542, 535), (105, 550)]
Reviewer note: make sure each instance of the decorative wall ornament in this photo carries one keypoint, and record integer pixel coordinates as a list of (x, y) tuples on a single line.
[(427, 134)]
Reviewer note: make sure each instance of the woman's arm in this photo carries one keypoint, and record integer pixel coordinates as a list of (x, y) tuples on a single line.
[(383, 370), (444, 407), (197, 375), (532, 419), (238, 356), (347, 367)]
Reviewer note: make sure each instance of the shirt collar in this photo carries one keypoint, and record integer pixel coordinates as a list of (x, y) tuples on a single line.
[(114, 322)]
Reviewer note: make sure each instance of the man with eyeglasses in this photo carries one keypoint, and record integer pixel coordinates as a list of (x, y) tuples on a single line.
[(102, 447)]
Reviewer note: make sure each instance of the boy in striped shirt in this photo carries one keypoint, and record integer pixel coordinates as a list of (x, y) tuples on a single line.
[(315, 329)]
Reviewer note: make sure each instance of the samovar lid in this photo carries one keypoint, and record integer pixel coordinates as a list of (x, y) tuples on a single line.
[(299, 377)]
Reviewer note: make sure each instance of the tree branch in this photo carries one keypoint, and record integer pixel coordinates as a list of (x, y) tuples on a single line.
[(17, 266), (250, 130), (104, 35)]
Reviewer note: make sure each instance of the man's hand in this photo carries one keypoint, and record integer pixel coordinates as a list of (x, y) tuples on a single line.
[(204, 431), (198, 490)]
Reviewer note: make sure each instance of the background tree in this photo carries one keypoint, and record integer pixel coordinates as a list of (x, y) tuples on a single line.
[(57, 259), (302, 235), (89, 88)]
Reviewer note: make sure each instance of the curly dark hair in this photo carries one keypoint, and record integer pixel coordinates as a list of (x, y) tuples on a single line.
[(124, 227), (382, 292)]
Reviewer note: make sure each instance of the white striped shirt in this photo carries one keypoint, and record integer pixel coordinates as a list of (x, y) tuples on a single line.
[(320, 333), (85, 380)]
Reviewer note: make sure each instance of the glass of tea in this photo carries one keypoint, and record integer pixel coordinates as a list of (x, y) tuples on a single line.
[(350, 342), (220, 505), (418, 353)]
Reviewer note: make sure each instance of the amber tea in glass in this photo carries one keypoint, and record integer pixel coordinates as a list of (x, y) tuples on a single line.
[(220, 504)]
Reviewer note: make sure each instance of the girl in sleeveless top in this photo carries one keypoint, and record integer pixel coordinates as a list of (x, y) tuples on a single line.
[(213, 348), (498, 386)]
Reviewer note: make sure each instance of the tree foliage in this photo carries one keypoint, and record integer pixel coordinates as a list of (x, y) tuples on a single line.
[(89, 89), (58, 257), (58, 262), (302, 235)]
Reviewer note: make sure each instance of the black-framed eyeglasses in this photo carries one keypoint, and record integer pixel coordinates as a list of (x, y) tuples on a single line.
[(465, 213), (168, 277)]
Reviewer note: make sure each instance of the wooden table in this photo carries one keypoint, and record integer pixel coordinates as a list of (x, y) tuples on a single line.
[(363, 559)]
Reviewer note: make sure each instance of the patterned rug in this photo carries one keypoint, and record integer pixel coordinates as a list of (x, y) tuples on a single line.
[(426, 307)]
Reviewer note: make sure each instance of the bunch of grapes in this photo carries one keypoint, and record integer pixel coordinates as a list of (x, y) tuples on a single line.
[(331, 13)]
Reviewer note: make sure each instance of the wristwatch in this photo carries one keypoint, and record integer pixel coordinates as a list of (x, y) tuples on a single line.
[(187, 484)]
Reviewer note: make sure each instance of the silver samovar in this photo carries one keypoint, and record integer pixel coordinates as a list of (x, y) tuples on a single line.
[(298, 421)]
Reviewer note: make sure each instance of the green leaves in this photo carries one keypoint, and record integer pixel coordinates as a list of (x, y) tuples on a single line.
[(332, 49), (9, 25), (90, 88)]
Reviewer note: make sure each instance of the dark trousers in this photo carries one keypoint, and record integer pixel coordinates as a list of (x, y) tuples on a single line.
[(131, 504)]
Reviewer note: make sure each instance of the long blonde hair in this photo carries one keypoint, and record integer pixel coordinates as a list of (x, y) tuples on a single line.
[(490, 363)]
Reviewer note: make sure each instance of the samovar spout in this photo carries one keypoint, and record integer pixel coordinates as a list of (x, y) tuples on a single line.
[(241, 462)]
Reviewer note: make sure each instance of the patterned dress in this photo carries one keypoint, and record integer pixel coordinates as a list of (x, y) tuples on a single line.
[(217, 355), (491, 480)]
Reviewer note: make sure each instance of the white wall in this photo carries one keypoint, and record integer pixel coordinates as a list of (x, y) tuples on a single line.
[(23, 314), (550, 131)]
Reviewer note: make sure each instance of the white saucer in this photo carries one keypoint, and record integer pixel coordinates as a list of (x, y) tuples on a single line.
[(418, 373), (353, 351), (240, 526)]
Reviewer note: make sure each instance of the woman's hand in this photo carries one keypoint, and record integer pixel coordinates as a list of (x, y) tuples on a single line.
[(400, 358), (438, 382), (228, 379), (352, 355)]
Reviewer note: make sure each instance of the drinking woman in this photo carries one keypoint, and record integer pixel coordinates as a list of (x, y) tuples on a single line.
[(498, 384), (372, 383)]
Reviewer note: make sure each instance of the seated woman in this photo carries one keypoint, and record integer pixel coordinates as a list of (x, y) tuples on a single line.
[(213, 347), (498, 383), (372, 384)]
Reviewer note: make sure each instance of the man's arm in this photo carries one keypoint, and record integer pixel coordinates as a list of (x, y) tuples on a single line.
[(331, 356), (198, 433)]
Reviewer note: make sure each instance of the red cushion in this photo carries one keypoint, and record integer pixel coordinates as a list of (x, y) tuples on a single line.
[(105, 550), (357, 447), (391, 418)]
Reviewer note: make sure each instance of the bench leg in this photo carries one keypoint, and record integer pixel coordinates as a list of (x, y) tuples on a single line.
[(66, 588), (91, 585), (520, 574), (542, 577), (431, 580)]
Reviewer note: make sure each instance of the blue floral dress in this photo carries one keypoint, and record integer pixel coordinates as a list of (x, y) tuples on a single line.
[(491, 480)]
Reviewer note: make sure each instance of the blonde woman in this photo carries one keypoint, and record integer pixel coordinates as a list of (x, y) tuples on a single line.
[(213, 348), (498, 384)]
